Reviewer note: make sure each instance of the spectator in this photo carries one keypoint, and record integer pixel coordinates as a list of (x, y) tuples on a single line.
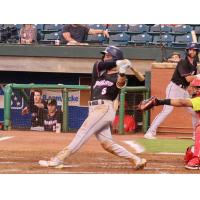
[(28, 34), (52, 117), (36, 108), (76, 34), (175, 57)]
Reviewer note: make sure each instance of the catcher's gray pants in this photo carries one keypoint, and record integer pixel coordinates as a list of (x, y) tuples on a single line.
[(98, 123), (173, 91)]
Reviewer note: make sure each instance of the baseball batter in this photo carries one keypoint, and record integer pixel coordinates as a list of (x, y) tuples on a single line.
[(184, 73), (192, 158), (106, 84)]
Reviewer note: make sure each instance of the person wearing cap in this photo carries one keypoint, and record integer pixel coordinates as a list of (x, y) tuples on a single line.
[(185, 72), (36, 107), (52, 117), (107, 81), (175, 57)]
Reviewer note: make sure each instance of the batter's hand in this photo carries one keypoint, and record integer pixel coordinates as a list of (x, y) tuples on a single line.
[(123, 65)]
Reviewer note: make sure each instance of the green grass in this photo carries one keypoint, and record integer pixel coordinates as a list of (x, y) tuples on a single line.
[(165, 145)]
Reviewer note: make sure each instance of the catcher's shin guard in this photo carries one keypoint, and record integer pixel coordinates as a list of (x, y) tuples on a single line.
[(197, 142)]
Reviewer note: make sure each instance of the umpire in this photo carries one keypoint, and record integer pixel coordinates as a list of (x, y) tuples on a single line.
[(184, 73)]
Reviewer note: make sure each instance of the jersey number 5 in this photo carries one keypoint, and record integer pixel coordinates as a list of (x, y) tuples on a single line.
[(104, 90)]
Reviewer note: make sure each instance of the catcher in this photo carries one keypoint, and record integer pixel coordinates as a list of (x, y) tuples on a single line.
[(192, 158)]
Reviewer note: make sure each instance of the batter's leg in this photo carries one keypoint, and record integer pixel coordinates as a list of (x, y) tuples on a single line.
[(105, 138), (98, 118)]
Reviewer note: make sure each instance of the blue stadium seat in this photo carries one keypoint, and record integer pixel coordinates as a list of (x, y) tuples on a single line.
[(138, 28), (165, 39), (182, 40), (98, 38), (18, 26), (52, 27), (117, 28), (97, 26), (39, 26), (120, 39), (157, 28), (49, 38), (141, 39), (181, 29)]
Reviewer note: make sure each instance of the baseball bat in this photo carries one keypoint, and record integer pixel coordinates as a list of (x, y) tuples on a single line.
[(194, 36), (137, 74)]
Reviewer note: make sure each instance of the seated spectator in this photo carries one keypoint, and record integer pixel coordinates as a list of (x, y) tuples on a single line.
[(52, 117), (76, 34), (28, 34), (174, 58), (36, 108)]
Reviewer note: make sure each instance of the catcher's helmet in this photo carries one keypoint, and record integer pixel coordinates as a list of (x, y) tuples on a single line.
[(192, 45), (116, 53), (195, 82)]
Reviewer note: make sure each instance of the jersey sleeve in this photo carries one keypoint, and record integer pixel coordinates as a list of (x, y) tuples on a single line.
[(195, 103)]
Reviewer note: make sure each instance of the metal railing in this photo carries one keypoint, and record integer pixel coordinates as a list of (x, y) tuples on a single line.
[(65, 89)]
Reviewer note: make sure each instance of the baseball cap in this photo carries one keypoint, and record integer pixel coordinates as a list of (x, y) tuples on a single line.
[(52, 102)]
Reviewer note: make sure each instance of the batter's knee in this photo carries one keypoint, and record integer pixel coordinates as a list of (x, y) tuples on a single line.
[(106, 144)]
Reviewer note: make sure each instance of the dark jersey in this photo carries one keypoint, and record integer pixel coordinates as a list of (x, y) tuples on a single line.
[(103, 84), (51, 121), (37, 114), (184, 68), (78, 33)]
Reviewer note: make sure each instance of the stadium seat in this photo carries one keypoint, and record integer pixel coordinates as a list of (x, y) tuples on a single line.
[(98, 38), (52, 27), (141, 39), (165, 40), (157, 28), (18, 26), (39, 26), (97, 26), (181, 29), (120, 39), (49, 38), (182, 40), (138, 28), (117, 28)]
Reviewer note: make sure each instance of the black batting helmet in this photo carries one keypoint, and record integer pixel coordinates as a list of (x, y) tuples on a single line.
[(192, 45), (116, 53)]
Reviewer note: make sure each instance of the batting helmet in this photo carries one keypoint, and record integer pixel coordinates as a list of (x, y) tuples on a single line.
[(192, 45), (116, 53)]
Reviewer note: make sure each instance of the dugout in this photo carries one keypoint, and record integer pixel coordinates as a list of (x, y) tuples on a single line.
[(70, 65)]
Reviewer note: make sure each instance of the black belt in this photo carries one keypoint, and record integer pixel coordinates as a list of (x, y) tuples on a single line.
[(96, 102)]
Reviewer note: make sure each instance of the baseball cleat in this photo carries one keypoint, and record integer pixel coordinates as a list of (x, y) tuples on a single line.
[(141, 164), (149, 137), (194, 163), (54, 162)]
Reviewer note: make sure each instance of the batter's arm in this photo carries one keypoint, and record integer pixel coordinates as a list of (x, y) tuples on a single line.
[(121, 81)]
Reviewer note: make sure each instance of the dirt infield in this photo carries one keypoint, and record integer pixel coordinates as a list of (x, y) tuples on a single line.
[(20, 154)]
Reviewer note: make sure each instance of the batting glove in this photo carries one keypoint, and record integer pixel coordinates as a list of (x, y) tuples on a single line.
[(123, 65)]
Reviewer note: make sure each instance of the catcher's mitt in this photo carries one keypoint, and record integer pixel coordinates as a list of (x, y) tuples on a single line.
[(148, 103)]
